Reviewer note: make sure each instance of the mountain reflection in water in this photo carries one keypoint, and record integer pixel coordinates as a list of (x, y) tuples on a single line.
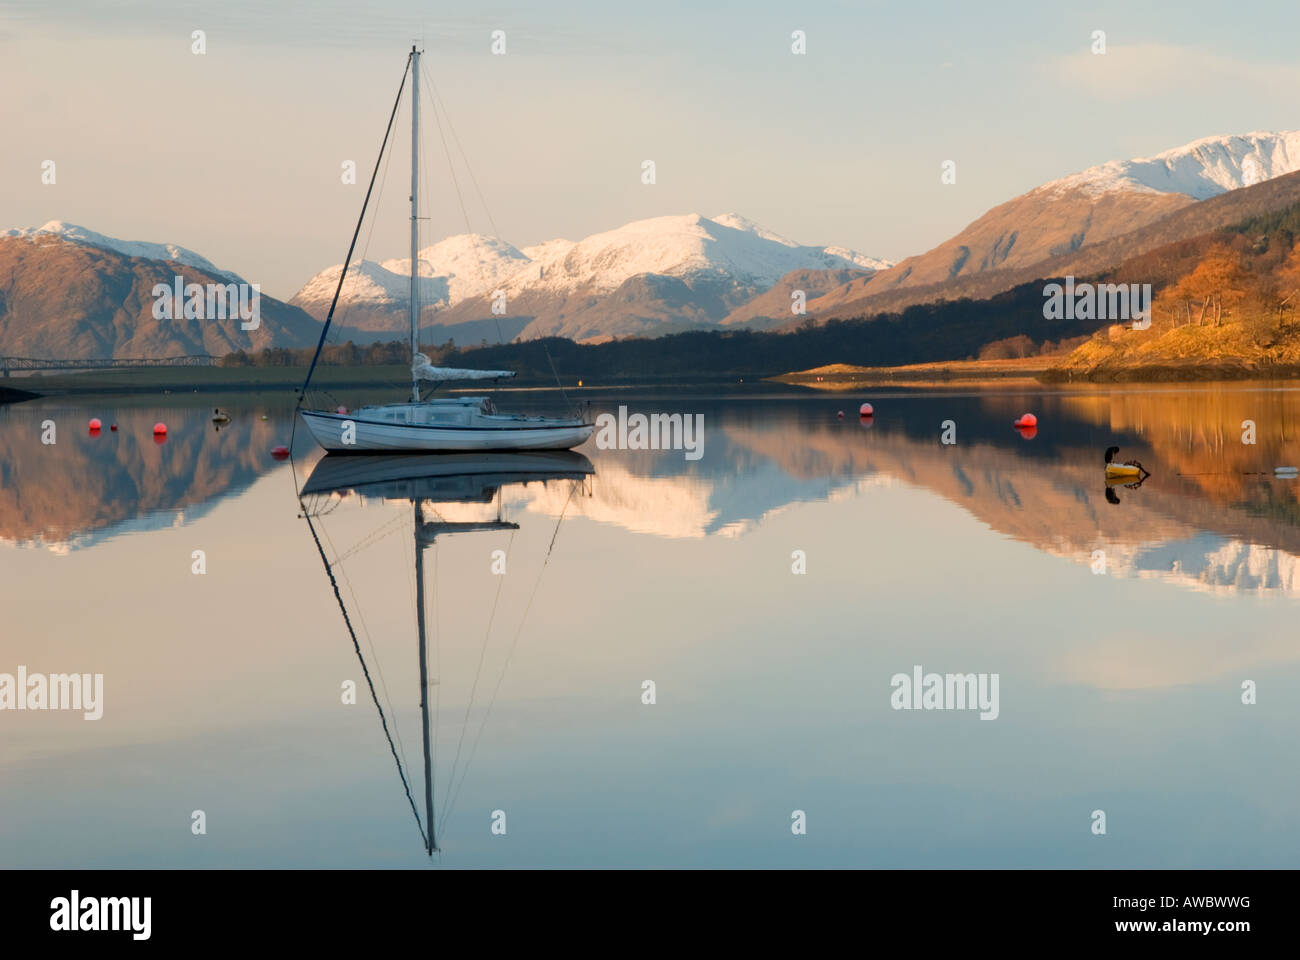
[(222, 692), (1212, 516)]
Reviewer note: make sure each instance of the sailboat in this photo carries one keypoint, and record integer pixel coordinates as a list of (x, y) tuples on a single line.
[(429, 425), (426, 482)]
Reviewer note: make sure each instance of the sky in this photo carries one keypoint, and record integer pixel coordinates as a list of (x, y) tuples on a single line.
[(237, 153)]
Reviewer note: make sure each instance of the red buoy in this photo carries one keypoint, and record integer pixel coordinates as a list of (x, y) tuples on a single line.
[(94, 423), (280, 453), (113, 428), (866, 410), (160, 428), (342, 409), (1027, 420), (840, 415)]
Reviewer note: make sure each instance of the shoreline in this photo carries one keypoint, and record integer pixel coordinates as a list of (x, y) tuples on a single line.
[(1026, 372), (1174, 373), (1030, 371), (14, 395), (965, 373), (183, 381)]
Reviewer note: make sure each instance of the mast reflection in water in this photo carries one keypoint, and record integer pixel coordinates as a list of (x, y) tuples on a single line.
[(427, 481)]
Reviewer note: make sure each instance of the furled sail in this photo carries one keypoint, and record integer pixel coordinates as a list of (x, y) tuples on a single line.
[(422, 368)]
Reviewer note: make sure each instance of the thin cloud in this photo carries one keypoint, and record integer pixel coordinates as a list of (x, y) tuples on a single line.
[(1141, 70)]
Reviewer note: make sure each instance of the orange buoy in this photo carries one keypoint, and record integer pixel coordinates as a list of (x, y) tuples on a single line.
[(866, 410), (160, 428), (94, 423), (280, 453), (1027, 420)]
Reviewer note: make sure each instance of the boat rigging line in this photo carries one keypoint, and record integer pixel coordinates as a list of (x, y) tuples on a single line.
[(439, 114), (454, 789), (329, 317), (370, 683)]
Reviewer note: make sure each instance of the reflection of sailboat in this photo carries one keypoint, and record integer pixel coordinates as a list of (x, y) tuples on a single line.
[(426, 480), (441, 476)]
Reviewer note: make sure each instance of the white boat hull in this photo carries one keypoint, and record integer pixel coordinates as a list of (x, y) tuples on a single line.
[(369, 436), (445, 477)]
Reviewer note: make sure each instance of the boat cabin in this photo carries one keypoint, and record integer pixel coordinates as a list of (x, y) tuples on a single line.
[(454, 411)]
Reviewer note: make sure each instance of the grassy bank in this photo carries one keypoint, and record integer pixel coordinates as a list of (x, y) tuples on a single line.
[(844, 376)]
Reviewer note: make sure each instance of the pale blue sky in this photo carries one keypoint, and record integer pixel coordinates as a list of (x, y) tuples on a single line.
[(236, 154)]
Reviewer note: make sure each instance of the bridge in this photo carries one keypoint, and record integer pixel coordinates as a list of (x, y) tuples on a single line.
[(103, 363)]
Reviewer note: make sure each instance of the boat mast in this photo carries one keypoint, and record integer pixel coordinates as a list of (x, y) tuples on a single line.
[(415, 215), (430, 839)]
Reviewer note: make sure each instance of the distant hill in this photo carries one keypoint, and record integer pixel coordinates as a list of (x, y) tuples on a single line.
[(69, 293), (1086, 221), (1186, 223), (773, 308)]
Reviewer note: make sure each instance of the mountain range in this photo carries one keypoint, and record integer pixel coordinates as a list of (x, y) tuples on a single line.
[(66, 291), (648, 277), (659, 276)]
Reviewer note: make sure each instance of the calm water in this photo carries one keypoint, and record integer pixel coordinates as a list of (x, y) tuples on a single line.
[(1120, 689)]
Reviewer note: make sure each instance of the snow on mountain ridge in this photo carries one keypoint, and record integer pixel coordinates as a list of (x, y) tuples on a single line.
[(450, 270), (470, 265), (130, 248), (679, 246), (737, 222), (545, 249), (1201, 169)]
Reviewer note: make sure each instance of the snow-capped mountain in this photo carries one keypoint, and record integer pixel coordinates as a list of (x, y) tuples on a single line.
[(670, 272), (67, 292), (1082, 209), (130, 248), (449, 271), (1201, 169), (679, 246)]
